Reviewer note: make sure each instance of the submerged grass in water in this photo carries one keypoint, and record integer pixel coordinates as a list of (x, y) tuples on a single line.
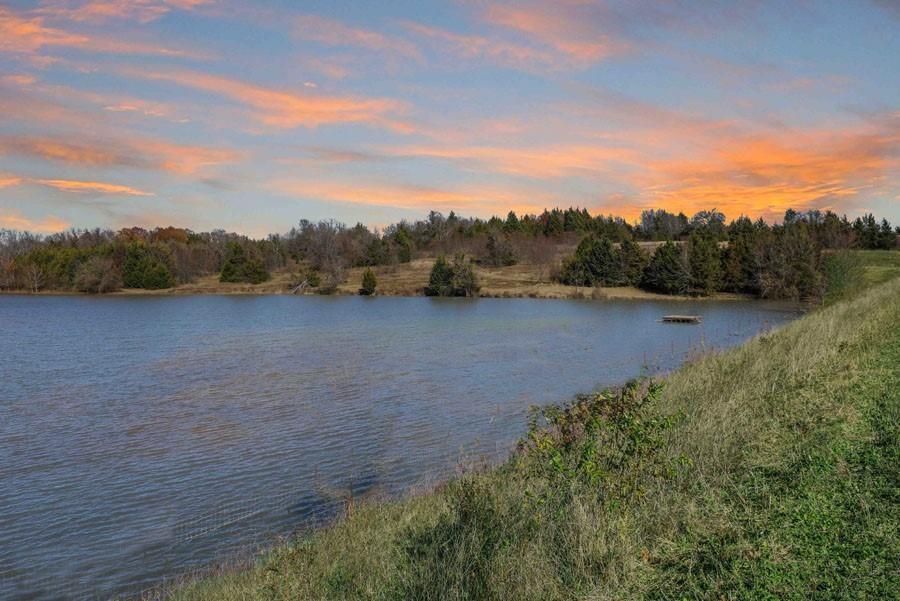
[(767, 471)]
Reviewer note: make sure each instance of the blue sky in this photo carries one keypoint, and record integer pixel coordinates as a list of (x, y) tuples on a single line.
[(251, 116)]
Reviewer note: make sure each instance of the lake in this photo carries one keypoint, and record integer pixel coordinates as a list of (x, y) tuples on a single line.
[(142, 438)]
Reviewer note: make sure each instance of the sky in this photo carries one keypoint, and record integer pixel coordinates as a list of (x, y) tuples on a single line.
[(251, 116)]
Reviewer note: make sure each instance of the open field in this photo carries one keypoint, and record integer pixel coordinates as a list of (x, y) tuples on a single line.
[(523, 280), (767, 471)]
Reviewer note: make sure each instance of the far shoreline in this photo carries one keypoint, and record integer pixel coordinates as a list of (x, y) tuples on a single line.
[(575, 293), (523, 280)]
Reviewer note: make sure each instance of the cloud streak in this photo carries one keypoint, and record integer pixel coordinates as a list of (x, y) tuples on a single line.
[(405, 196), (96, 11), (559, 26), (68, 185), (284, 109), (15, 220), (27, 35), (139, 153), (329, 32)]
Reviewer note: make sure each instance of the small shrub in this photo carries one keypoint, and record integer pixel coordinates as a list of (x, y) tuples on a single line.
[(369, 282), (313, 278), (452, 279)]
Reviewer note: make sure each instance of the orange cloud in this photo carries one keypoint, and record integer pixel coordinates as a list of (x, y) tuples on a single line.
[(329, 32), (20, 34), (7, 181), (535, 162), (407, 196), (67, 185), (284, 109), (479, 47), (764, 175), (142, 11), (139, 153), (14, 220), (556, 26)]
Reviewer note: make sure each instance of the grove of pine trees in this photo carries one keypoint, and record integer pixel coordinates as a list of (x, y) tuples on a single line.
[(782, 260)]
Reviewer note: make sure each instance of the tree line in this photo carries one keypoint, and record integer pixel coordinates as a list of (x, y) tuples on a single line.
[(702, 254)]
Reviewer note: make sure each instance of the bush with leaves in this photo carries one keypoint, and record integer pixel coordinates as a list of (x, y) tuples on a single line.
[(369, 282), (598, 439)]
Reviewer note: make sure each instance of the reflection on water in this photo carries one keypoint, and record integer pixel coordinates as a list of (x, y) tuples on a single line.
[(144, 437)]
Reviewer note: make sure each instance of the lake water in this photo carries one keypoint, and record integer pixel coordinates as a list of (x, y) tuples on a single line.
[(141, 438)]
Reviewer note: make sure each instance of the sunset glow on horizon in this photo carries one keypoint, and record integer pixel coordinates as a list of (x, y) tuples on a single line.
[(251, 116)]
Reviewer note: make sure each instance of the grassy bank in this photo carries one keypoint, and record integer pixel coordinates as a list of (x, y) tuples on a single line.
[(767, 471)]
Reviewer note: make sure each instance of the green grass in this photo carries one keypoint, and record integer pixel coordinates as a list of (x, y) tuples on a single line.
[(767, 471), (847, 273)]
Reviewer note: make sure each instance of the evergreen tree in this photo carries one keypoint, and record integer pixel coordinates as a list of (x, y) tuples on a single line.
[(369, 282), (632, 261), (456, 279), (465, 282), (667, 272), (553, 225), (404, 243), (143, 267), (243, 266), (512, 223), (595, 263), (500, 252), (705, 262), (791, 265), (739, 265), (440, 281)]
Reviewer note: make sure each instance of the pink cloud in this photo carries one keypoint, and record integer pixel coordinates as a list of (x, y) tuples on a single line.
[(285, 109), (14, 220), (67, 185), (559, 26), (26, 35), (329, 32)]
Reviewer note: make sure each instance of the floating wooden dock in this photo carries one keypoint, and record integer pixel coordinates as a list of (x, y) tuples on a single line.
[(681, 318)]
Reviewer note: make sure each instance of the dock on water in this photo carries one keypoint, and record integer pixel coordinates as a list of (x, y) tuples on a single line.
[(681, 318)]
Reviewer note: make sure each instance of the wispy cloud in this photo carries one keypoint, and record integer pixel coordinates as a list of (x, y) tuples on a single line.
[(7, 180), (68, 185), (15, 220), (139, 152), (330, 32), (142, 11), (542, 162), (29, 34), (406, 196), (285, 109), (488, 49), (561, 26)]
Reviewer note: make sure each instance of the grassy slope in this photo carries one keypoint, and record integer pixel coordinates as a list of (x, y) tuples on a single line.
[(778, 478)]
